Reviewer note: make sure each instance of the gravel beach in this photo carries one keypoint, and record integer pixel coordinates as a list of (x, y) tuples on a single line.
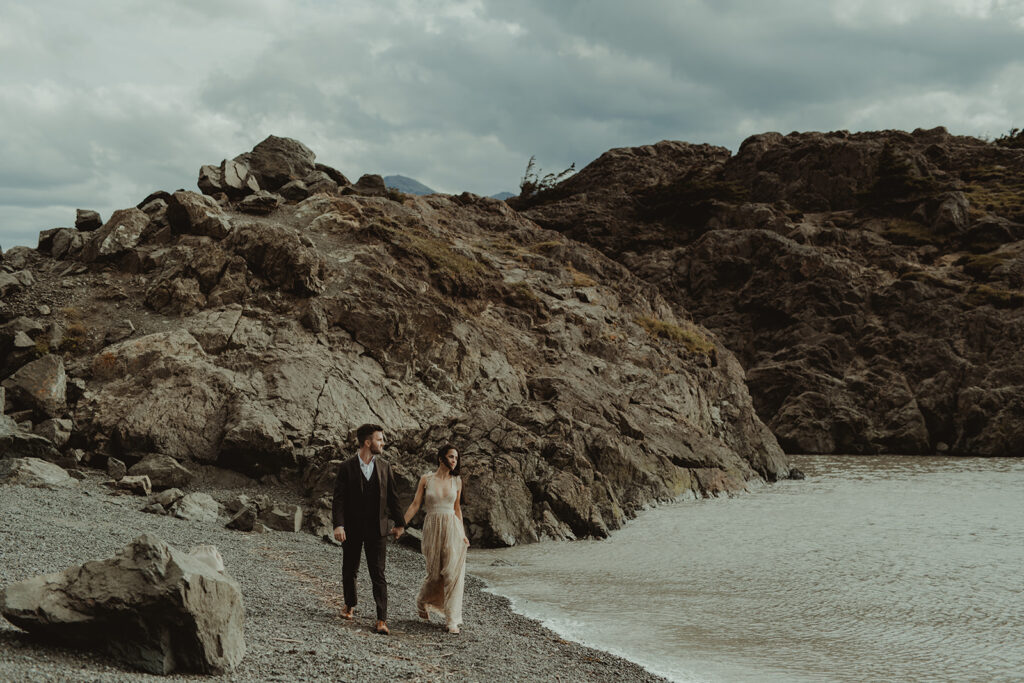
[(291, 585)]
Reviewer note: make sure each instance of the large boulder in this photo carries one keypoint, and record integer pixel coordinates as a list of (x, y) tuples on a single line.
[(40, 386), (196, 214), (164, 472), (87, 220), (34, 473), (117, 236), (276, 161), (151, 606), (196, 507)]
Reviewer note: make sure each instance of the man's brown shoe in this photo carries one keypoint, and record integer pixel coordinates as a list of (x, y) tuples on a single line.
[(382, 628), (347, 612)]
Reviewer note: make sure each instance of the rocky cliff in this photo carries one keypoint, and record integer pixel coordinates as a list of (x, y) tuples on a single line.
[(255, 325), (870, 284)]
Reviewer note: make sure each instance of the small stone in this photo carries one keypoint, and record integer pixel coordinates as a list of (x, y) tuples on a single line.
[(116, 469), (137, 485), (43, 309), (283, 518), (155, 509), (168, 497), (198, 507), (244, 519)]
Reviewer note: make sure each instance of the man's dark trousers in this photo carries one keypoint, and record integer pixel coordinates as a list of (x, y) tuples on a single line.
[(376, 557)]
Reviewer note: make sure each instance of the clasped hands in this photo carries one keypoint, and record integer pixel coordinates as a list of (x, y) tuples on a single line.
[(339, 533)]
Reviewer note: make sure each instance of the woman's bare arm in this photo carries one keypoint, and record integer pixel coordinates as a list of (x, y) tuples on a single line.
[(414, 506)]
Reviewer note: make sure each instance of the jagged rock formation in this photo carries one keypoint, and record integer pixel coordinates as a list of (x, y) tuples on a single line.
[(154, 607), (194, 328), (871, 284)]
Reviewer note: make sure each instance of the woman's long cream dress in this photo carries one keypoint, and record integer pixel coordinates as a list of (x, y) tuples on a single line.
[(444, 550)]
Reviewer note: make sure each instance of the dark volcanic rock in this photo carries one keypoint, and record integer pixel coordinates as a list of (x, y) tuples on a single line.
[(869, 283)]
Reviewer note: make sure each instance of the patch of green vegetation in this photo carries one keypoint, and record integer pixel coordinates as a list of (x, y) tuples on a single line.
[(454, 272), (75, 334), (545, 247), (42, 347), (1013, 138), (903, 231), (995, 189), (395, 195), (985, 295), (980, 266), (689, 337), (580, 279)]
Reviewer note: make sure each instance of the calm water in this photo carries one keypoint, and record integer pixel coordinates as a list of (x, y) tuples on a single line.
[(871, 569)]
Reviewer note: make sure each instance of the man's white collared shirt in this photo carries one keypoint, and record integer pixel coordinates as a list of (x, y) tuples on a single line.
[(367, 468)]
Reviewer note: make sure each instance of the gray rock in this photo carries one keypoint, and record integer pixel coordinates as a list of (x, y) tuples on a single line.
[(117, 236), (87, 220), (40, 386), (119, 332), (116, 469), (13, 282), (67, 243), (261, 203), (196, 507), (154, 509), (168, 497), (282, 518), (295, 191), (370, 185), (17, 443), (196, 214), (163, 471), (56, 430), (138, 485), (237, 180), (152, 606), (276, 160), (244, 519), (34, 473), (210, 180)]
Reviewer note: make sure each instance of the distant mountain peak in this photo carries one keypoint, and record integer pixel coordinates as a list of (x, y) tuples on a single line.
[(406, 184)]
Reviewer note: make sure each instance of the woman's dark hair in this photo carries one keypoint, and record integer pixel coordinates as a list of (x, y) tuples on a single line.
[(443, 451)]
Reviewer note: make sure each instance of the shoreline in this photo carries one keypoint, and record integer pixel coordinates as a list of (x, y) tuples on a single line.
[(291, 585)]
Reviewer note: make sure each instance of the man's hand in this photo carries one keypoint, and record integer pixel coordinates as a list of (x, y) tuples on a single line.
[(397, 531), (339, 534)]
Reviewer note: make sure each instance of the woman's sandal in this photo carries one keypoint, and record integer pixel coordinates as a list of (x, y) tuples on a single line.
[(422, 613), (453, 630)]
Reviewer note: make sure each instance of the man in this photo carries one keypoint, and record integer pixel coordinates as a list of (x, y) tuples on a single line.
[(365, 497)]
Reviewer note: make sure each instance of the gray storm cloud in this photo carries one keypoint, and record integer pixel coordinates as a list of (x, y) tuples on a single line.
[(114, 101)]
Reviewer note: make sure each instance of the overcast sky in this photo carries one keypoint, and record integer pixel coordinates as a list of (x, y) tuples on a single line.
[(102, 102)]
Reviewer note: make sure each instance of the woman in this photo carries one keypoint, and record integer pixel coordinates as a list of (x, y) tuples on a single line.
[(444, 539)]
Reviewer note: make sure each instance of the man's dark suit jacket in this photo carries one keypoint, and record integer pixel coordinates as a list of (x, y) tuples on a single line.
[(348, 488)]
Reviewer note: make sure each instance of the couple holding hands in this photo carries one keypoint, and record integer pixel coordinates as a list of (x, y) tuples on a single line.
[(365, 500)]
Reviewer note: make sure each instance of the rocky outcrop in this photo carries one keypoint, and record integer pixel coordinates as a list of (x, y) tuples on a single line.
[(576, 392), (152, 606), (869, 283)]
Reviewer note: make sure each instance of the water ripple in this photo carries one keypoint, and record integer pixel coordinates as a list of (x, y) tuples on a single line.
[(878, 568)]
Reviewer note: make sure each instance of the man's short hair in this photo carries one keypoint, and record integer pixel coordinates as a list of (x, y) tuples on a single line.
[(365, 432)]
